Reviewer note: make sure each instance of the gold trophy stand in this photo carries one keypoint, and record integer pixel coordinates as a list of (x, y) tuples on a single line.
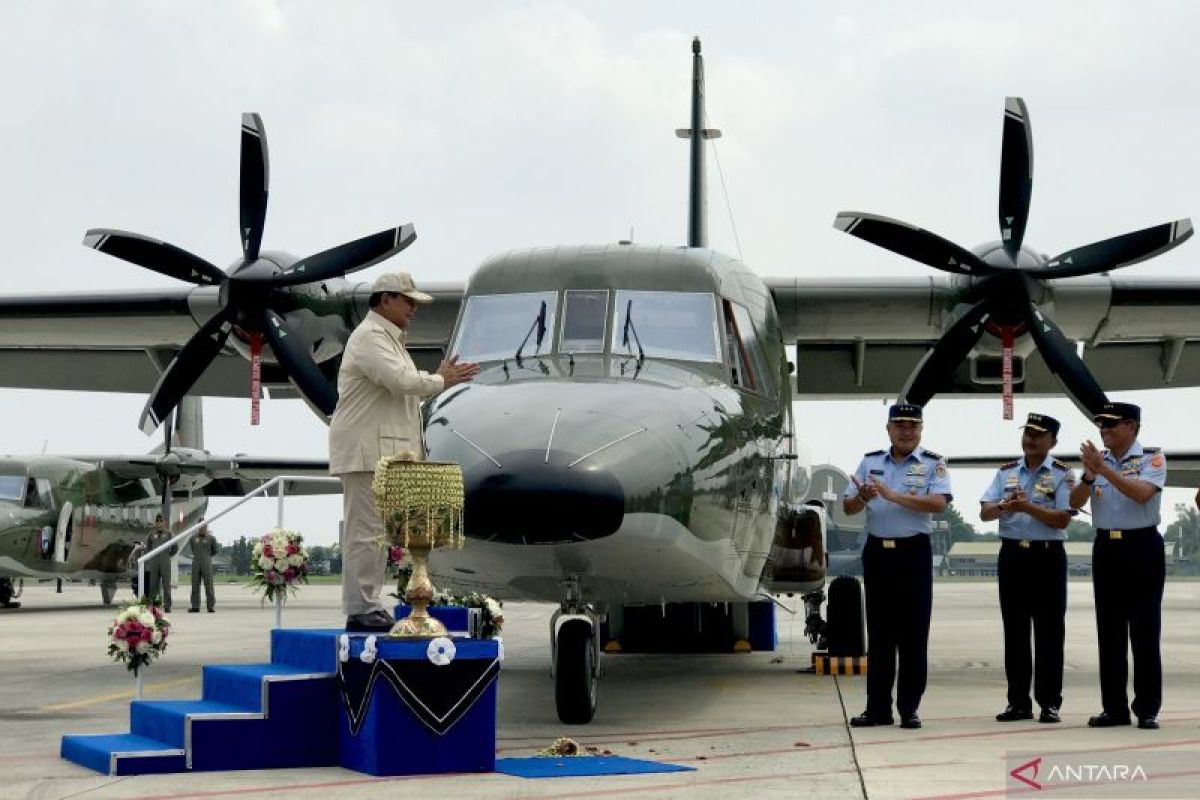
[(418, 594)]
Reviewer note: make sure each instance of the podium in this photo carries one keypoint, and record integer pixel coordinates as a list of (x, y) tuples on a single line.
[(411, 710)]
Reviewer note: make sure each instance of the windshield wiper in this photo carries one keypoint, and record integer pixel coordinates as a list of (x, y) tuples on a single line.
[(539, 323), (629, 328)]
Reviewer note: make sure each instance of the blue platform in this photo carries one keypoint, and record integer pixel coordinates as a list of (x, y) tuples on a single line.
[(286, 713)]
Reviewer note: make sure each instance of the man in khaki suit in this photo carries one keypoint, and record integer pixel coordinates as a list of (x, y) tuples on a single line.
[(378, 414)]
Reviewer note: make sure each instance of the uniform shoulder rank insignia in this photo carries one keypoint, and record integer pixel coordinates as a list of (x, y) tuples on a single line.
[(1059, 465), (874, 453), (933, 455), (1156, 460), (1151, 449), (1010, 464)]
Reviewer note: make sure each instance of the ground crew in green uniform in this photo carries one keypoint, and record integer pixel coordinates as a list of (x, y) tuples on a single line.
[(1124, 485), (203, 547), (158, 568), (1031, 498), (900, 488)]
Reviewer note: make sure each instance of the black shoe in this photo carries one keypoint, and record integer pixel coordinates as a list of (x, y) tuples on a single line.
[(1148, 723), (1105, 720), (1010, 714), (869, 720), (193, 611), (911, 721), (212, 611), (373, 621), (1049, 715)]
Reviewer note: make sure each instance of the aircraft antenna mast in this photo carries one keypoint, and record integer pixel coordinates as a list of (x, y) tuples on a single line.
[(696, 136)]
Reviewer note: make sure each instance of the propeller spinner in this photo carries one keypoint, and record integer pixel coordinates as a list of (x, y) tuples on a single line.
[(250, 291), (1006, 278)]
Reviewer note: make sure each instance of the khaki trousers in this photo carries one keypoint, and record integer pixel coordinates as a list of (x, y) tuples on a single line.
[(364, 559)]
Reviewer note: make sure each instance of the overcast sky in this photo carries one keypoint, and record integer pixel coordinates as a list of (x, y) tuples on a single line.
[(498, 125)]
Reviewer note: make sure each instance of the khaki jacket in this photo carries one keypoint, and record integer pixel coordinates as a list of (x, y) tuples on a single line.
[(379, 399)]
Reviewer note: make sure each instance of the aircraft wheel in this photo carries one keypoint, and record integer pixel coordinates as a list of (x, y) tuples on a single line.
[(107, 592), (845, 630), (6, 592), (575, 673)]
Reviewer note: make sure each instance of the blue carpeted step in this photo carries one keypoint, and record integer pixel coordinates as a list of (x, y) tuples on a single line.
[(244, 684), (166, 720), (123, 754), (312, 649)]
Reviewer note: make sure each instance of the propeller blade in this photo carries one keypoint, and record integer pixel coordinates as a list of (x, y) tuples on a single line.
[(345, 258), (912, 242), (161, 257), (1119, 251), (255, 183), (183, 372), (945, 356), (1060, 356), (296, 359), (1016, 175)]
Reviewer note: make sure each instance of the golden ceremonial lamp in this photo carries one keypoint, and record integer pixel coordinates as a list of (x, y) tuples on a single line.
[(421, 503)]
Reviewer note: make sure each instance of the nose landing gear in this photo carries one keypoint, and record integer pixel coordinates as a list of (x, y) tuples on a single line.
[(575, 645)]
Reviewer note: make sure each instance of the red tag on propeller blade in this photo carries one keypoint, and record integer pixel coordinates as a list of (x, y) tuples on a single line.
[(256, 341)]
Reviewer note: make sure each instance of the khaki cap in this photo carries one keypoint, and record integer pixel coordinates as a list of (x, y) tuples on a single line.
[(400, 283)]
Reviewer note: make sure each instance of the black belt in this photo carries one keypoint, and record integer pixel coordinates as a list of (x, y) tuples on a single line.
[(1121, 533), (901, 542), (1032, 544)]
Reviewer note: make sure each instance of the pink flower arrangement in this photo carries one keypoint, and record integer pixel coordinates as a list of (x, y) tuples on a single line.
[(138, 635), (279, 563)]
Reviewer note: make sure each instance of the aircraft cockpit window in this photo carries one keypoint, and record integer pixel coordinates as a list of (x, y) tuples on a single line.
[(679, 325), (747, 362), (584, 315), (34, 494), (12, 488), (496, 326)]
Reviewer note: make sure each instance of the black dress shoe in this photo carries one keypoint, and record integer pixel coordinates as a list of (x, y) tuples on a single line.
[(1148, 723), (911, 721), (193, 611), (1049, 715), (869, 720), (1010, 714), (1105, 720), (373, 621)]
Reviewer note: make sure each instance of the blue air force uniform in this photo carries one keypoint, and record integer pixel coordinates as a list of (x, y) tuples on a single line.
[(1128, 573), (1032, 576), (898, 573)]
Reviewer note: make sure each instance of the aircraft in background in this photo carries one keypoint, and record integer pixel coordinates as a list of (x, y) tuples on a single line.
[(77, 518), (630, 441)]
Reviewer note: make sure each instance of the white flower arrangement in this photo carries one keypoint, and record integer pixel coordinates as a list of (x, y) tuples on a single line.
[(138, 635), (280, 563)]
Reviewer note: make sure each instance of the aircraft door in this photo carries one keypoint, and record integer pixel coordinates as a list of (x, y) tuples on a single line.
[(62, 534)]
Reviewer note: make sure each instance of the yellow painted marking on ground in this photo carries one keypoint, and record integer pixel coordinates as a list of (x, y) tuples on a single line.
[(149, 688)]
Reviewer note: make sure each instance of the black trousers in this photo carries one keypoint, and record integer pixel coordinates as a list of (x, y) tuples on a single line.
[(1127, 579), (899, 584), (1033, 592)]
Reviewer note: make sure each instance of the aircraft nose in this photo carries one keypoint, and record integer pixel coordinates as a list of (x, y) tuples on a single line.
[(553, 463), (538, 498)]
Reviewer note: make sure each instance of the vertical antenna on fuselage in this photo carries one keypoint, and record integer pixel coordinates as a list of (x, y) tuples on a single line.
[(697, 134)]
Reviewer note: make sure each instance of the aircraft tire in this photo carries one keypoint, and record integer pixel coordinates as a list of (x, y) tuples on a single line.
[(6, 592), (845, 630), (575, 673), (107, 592)]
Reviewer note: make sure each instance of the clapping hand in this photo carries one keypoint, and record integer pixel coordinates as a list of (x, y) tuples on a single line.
[(1014, 502), (1090, 455), (866, 491)]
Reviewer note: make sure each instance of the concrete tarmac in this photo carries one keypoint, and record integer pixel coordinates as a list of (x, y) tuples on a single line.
[(750, 724)]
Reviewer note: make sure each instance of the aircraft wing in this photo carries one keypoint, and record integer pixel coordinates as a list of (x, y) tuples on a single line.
[(242, 474), (1183, 466), (121, 341), (864, 337)]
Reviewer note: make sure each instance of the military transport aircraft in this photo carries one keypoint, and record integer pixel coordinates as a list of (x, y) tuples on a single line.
[(77, 517), (629, 441)]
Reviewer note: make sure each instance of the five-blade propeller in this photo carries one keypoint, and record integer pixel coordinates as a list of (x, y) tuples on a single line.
[(1003, 301), (251, 291)]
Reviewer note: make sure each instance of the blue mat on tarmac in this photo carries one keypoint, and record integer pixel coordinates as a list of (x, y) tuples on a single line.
[(581, 766)]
